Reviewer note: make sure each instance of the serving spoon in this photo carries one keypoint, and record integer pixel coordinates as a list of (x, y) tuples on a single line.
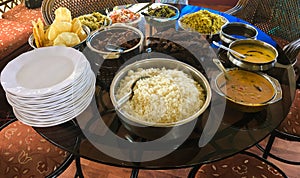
[(221, 67), (129, 95), (230, 50), (114, 48)]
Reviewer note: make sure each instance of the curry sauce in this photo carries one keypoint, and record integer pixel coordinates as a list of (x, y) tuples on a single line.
[(247, 87), (255, 53)]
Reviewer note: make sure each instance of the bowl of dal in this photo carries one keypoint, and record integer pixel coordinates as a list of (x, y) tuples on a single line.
[(260, 56), (248, 91)]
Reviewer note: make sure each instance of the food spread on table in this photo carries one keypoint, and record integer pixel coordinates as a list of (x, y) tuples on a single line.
[(203, 21), (95, 20), (64, 31), (161, 11), (123, 16)]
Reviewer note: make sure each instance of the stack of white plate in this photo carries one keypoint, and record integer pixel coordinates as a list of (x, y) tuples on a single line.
[(48, 86)]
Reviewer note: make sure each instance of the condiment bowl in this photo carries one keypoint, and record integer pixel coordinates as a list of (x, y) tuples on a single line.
[(236, 30), (260, 56), (161, 21), (111, 35)]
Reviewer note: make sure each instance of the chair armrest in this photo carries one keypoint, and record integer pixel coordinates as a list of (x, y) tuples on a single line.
[(292, 51), (239, 6)]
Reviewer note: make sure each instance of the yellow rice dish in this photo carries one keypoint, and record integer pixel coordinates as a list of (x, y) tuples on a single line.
[(203, 22)]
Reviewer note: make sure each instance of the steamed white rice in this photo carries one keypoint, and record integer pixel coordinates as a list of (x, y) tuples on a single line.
[(168, 95)]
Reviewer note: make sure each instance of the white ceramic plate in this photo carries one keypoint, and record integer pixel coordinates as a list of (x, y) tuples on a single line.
[(43, 71)]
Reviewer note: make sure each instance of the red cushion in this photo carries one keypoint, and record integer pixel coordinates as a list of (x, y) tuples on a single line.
[(22, 14), (12, 36), (291, 123), (24, 153)]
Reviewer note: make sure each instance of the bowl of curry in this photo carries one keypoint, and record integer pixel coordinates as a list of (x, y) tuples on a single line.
[(248, 91), (260, 56)]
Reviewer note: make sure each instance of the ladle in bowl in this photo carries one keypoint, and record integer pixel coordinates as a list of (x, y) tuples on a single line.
[(114, 48), (129, 95), (230, 50), (221, 67)]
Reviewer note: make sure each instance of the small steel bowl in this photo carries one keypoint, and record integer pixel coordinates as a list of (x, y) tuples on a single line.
[(150, 130), (161, 21), (93, 39), (78, 46), (246, 106), (257, 64), (236, 30)]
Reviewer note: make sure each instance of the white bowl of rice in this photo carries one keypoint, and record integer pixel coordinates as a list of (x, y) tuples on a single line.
[(172, 95)]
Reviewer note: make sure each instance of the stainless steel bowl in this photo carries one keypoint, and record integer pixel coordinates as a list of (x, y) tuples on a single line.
[(155, 130), (236, 30), (253, 66), (161, 21), (78, 46), (244, 106), (98, 34)]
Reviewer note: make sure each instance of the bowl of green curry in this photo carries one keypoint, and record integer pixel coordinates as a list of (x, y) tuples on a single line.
[(159, 14)]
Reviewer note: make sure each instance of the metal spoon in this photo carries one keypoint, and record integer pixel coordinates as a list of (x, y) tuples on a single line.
[(230, 50), (114, 48), (129, 95), (222, 68)]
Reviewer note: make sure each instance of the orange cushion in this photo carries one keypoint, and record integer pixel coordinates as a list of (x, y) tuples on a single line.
[(22, 14), (291, 124), (24, 153), (240, 165), (12, 36)]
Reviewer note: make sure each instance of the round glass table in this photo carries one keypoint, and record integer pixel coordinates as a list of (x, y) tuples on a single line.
[(221, 131)]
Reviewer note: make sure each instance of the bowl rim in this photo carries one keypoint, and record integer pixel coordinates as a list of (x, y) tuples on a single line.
[(274, 82), (123, 72), (114, 26)]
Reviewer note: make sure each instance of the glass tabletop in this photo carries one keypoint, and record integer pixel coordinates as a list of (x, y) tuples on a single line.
[(221, 131)]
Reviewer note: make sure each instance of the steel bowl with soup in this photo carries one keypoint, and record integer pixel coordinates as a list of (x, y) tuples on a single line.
[(260, 55), (248, 91)]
